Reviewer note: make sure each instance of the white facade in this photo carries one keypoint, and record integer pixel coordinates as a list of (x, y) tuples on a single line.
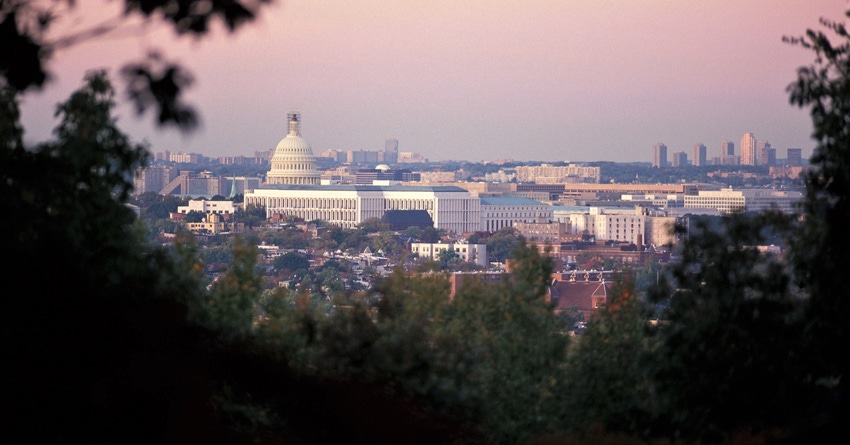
[(656, 200), (625, 225), (659, 230), (751, 200), (618, 227), (503, 212), (206, 206), (473, 253), (451, 208)]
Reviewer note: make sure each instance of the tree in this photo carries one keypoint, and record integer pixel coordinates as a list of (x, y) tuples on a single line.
[(111, 335), (502, 351), (607, 382), (252, 216), (387, 242), (429, 235), (195, 216), (448, 258), (502, 244), (152, 82), (372, 225), (726, 354), (291, 261), (819, 248)]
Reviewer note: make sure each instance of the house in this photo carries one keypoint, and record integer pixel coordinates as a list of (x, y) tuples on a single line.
[(581, 290)]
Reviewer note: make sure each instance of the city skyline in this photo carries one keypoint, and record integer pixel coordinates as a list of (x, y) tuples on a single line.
[(541, 80)]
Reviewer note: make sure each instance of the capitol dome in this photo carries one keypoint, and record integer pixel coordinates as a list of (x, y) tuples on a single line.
[(293, 161)]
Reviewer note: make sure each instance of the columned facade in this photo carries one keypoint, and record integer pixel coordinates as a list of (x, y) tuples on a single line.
[(451, 208)]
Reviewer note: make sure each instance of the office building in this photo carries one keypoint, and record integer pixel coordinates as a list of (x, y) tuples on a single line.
[(554, 174), (795, 157), (473, 253), (153, 179), (390, 153), (504, 212), (383, 173), (659, 155), (451, 208), (764, 154), (748, 150), (771, 157), (699, 155), (727, 148), (749, 200)]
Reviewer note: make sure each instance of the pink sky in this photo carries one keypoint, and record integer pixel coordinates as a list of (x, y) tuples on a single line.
[(579, 80)]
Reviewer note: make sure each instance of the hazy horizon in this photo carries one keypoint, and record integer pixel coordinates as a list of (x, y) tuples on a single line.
[(536, 80)]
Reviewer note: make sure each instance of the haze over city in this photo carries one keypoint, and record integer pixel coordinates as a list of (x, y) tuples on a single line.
[(531, 80)]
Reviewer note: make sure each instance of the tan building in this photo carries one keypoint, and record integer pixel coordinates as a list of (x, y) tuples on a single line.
[(215, 224), (550, 232), (473, 253), (748, 150), (208, 206)]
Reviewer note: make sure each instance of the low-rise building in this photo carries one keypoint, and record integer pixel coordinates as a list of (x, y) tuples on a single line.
[(214, 224), (504, 212), (208, 206), (451, 208), (473, 253), (730, 200)]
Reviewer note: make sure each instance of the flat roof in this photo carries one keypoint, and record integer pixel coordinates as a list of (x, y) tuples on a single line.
[(509, 201), (363, 188)]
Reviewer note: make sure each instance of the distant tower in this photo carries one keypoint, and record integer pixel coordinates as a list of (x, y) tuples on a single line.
[(771, 157), (727, 148), (795, 157), (680, 159), (699, 155), (293, 161), (659, 155), (764, 153), (748, 150), (390, 154)]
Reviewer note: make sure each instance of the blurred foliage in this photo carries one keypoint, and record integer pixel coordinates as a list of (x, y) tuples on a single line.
[(30, 43), (115, 339), (501, 244)]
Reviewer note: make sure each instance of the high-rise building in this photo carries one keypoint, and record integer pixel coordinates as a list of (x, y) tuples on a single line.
[(680, 159), (391, 144), (727, 148), (390, 153), (748, 150), (771, 157), (153, 178), (764, 153), (795, 157), (699, 155), (659, 155)]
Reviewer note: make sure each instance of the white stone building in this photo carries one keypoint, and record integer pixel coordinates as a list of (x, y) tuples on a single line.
[(473, 253), (451, 208), (749, 200), (503, 212), (208, 206)]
